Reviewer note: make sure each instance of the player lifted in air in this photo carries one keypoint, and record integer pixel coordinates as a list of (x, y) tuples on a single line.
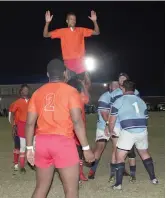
[(131, 111), (73, 43)]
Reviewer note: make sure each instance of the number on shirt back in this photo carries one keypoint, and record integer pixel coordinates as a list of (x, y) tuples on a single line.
[(135, 104), (49, 102)]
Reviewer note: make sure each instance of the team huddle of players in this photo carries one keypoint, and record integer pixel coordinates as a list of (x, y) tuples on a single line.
[(51, 125)]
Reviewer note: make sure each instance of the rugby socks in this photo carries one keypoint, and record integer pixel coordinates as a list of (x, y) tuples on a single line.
[(16, 156), (22, 160), (132, 171), (148, 163), (82, 176), (112, 169), (120, 167), (95, 165)]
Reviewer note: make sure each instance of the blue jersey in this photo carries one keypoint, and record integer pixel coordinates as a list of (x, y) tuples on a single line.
[(103, 105), (132, 113), (117, 93)]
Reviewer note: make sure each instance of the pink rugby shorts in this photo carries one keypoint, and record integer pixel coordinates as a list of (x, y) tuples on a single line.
[(56, 150), (21, 129), (76, 65)]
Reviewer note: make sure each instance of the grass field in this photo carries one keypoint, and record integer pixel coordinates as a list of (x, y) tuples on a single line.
[(22, 186)]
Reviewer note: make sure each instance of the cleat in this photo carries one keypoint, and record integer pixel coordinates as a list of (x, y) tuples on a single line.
[(111, 179), (91, 174), (132, 179), (22, 171), (117, 187), (155, 181), (82, 177), (16, 167)]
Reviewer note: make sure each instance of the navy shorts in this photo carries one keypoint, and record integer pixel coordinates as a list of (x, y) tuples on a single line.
[(17, 142)]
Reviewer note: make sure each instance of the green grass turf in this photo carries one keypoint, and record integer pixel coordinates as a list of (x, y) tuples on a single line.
[(21, 186)]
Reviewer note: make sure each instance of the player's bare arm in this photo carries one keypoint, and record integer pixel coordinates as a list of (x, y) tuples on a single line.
[(112, 120), (93, 18), (80, 131), (30, 128), (48, 19), (105, 116)]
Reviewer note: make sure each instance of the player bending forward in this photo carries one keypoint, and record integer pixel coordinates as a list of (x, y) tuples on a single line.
[(73, 44), (132, 113), (57, 109)]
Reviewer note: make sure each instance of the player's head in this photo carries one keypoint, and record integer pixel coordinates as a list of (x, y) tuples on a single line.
[(24, 90), (128, 86), (71, 19), (122, 78), (114, 85), (74, 82), (56, 70)]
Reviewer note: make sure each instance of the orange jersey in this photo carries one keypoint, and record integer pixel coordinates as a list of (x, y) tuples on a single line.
[(20, 108), (52, 103), (72, 41), (15, 115)]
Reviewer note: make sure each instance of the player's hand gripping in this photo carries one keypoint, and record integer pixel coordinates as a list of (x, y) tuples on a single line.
[(48, 17), (106, 131), (93, 16), (89, 156), (31, 157)]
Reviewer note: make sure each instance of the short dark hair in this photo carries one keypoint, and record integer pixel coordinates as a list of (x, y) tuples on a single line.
[(125, 75), (23, 86), (55, 69), (75, 82), (70, 14), (129, 85)]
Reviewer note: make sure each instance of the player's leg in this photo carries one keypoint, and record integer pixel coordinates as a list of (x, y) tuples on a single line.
[(124, 145), (22, 154), (80, 153), (70, 180), (142, 147), (101, 141), (16, 152), (114, 140), (67, 162), (132, 163), (44, 178)]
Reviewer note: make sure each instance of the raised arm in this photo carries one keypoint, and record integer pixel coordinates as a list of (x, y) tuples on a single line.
[(48, 19), (93, 18)]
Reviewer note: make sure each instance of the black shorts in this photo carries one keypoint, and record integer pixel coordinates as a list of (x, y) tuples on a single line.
[(72, 74), (16, 142)]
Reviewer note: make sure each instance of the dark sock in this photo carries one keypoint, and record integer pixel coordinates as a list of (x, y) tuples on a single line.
[(119, 173), (132, 170), (112, 169), (148, 163), (94, 166)]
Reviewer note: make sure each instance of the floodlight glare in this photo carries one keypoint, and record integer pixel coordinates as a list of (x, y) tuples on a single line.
[(90, 63), (104, 84)]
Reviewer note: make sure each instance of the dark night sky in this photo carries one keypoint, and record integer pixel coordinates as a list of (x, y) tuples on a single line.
[(132, 40)]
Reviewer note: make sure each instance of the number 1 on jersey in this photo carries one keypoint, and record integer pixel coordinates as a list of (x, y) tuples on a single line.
[(135, 104)]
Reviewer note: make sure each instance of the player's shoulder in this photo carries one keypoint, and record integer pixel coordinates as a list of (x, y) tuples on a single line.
[(136, 92), (105, 96)]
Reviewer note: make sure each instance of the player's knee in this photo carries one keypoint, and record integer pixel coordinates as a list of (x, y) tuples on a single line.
[(131, 153)]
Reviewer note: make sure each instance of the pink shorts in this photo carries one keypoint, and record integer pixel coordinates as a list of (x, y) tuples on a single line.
[(21, 129), (76, 65), (56, 150)]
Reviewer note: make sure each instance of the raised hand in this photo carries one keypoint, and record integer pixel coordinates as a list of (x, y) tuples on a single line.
[(48, 17), (93, 16)]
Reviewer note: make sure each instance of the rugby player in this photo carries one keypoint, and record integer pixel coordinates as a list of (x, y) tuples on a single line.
[(57, 109), (73, 43), (77, 84), (20, 107), (102, 134), (16, 139), (131, 155), (132, 113)]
